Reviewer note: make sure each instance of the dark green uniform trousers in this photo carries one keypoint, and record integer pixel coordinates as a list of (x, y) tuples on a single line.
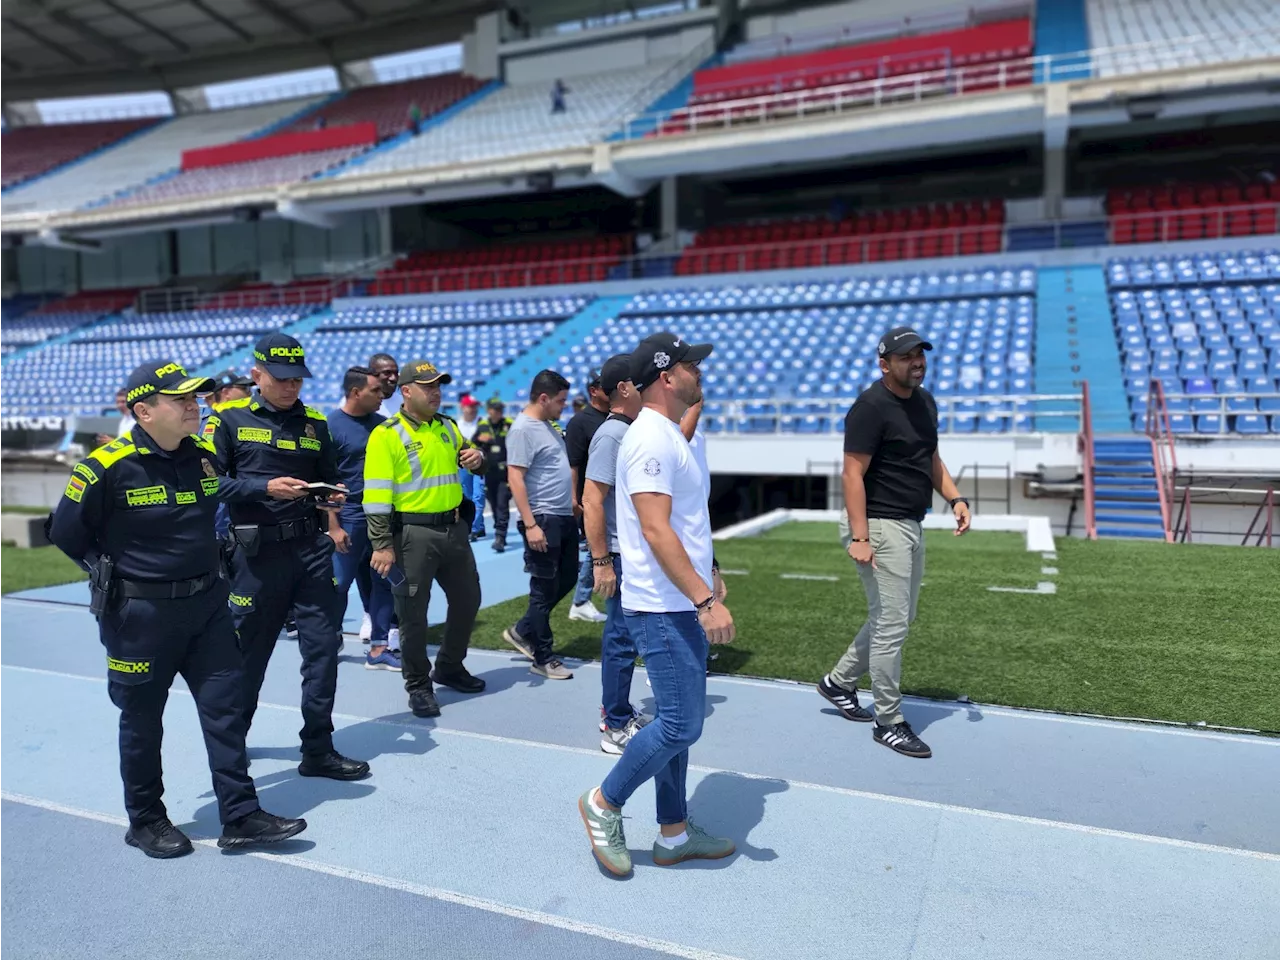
[(442, 555)]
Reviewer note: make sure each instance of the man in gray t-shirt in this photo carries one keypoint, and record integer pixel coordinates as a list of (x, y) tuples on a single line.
[(542, 491), (600, 518)]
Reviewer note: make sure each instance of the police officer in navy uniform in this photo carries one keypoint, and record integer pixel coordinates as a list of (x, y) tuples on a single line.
[(137, 514), (491, 439), (271, 445), (231, 387)]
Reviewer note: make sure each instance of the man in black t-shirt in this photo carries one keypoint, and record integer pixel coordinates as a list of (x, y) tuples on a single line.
[(891, 468), (577, 438)]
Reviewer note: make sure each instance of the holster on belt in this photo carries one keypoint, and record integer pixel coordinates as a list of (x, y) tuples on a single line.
[(102, 591), (467, 510), (247, 537)]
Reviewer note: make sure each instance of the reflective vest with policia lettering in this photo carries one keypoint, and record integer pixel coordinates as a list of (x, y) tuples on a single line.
[(412, 467)]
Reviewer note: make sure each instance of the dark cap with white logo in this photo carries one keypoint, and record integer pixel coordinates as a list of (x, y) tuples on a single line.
[(901, 340), (658, 353)]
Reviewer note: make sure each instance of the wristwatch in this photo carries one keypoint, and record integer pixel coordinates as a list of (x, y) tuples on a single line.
[(952, 503)]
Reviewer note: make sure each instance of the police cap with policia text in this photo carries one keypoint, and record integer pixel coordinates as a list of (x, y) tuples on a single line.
[(166, 377), (281, 356), (422, 371)]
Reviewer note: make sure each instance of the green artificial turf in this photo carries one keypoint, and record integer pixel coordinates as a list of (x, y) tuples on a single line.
[(23, 569), (1186, 633)]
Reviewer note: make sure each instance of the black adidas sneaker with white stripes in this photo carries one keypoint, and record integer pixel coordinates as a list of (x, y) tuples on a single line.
[(902, 739), (846, 701)]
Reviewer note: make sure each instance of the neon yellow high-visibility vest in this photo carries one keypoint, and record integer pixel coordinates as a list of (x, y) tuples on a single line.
[(413, 467)]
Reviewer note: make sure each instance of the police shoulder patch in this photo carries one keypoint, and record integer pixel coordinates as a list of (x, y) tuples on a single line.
[(211, 426), (113, 453), (315, 414), (85, 472), (205, 445)]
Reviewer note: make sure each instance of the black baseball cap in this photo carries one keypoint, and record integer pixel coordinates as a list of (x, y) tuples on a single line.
[(235, 380), (163, 376), (901, 340), (495, 403), (422, 371), (282, 357), (659, 352), (615, 370), (593, 378)]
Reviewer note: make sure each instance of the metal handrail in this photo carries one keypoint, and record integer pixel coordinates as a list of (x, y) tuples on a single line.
[(1161, 437), (774, 409), (1269, 505), (1044, 68), (1221, 400), (1086, 441)]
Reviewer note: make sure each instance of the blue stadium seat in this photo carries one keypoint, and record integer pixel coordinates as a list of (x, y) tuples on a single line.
[(1210, 320)]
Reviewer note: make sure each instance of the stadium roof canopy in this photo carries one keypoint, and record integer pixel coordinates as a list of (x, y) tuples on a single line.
[(72, 48)]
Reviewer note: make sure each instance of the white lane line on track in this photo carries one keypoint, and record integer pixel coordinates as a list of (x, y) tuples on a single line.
[(405, 886), (1132, 724), (801, 784)]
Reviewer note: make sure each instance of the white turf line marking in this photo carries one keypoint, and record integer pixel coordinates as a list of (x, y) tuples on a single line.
[(733, 573), (806, 576), (1138, 725), (1045, 586), (800, 784), (405, 886), (1048, 571)]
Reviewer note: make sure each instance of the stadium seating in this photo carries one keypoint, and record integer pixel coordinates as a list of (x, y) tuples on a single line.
[(469, 340), (904, 234), (792, 356), (104, 355), (518, 119), (40, 326), (951, 62), (238, 177), (247, 321), (1164, 34), (144, 157), (387, 104), (1193, 211), (504, 265), (32, 151), (101, 368), (1208, 328), (855, 31)]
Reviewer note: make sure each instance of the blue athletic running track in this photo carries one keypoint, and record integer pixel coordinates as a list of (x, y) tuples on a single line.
[(1028, 836)]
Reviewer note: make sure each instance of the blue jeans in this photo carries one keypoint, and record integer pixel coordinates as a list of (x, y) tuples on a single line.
[(617, 659), (345, 568), (674, 647), (586, 576), (473, 490)]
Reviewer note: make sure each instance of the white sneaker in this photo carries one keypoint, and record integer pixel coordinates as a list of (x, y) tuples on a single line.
[(615, 741), (586, 611), (366, 629)]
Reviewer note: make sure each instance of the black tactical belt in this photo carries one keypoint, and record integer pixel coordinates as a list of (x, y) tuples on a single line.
[(170, 590), (290, 530), (430, 519)]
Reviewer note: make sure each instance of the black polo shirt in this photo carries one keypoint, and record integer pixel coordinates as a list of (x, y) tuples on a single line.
[(902, 437), (577, 440)]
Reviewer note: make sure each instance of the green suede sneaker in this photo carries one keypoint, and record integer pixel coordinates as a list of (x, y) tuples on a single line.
[(700, 846), (605, 832)]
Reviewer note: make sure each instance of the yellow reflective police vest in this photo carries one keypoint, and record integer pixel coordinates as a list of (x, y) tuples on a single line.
[(413, 467)]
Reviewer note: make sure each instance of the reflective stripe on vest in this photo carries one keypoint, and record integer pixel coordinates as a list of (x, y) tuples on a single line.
[(433, 487)]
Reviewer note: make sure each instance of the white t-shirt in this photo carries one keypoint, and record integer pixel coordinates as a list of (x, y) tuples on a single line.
[(468, 427), (699, 447), (655, 458)]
